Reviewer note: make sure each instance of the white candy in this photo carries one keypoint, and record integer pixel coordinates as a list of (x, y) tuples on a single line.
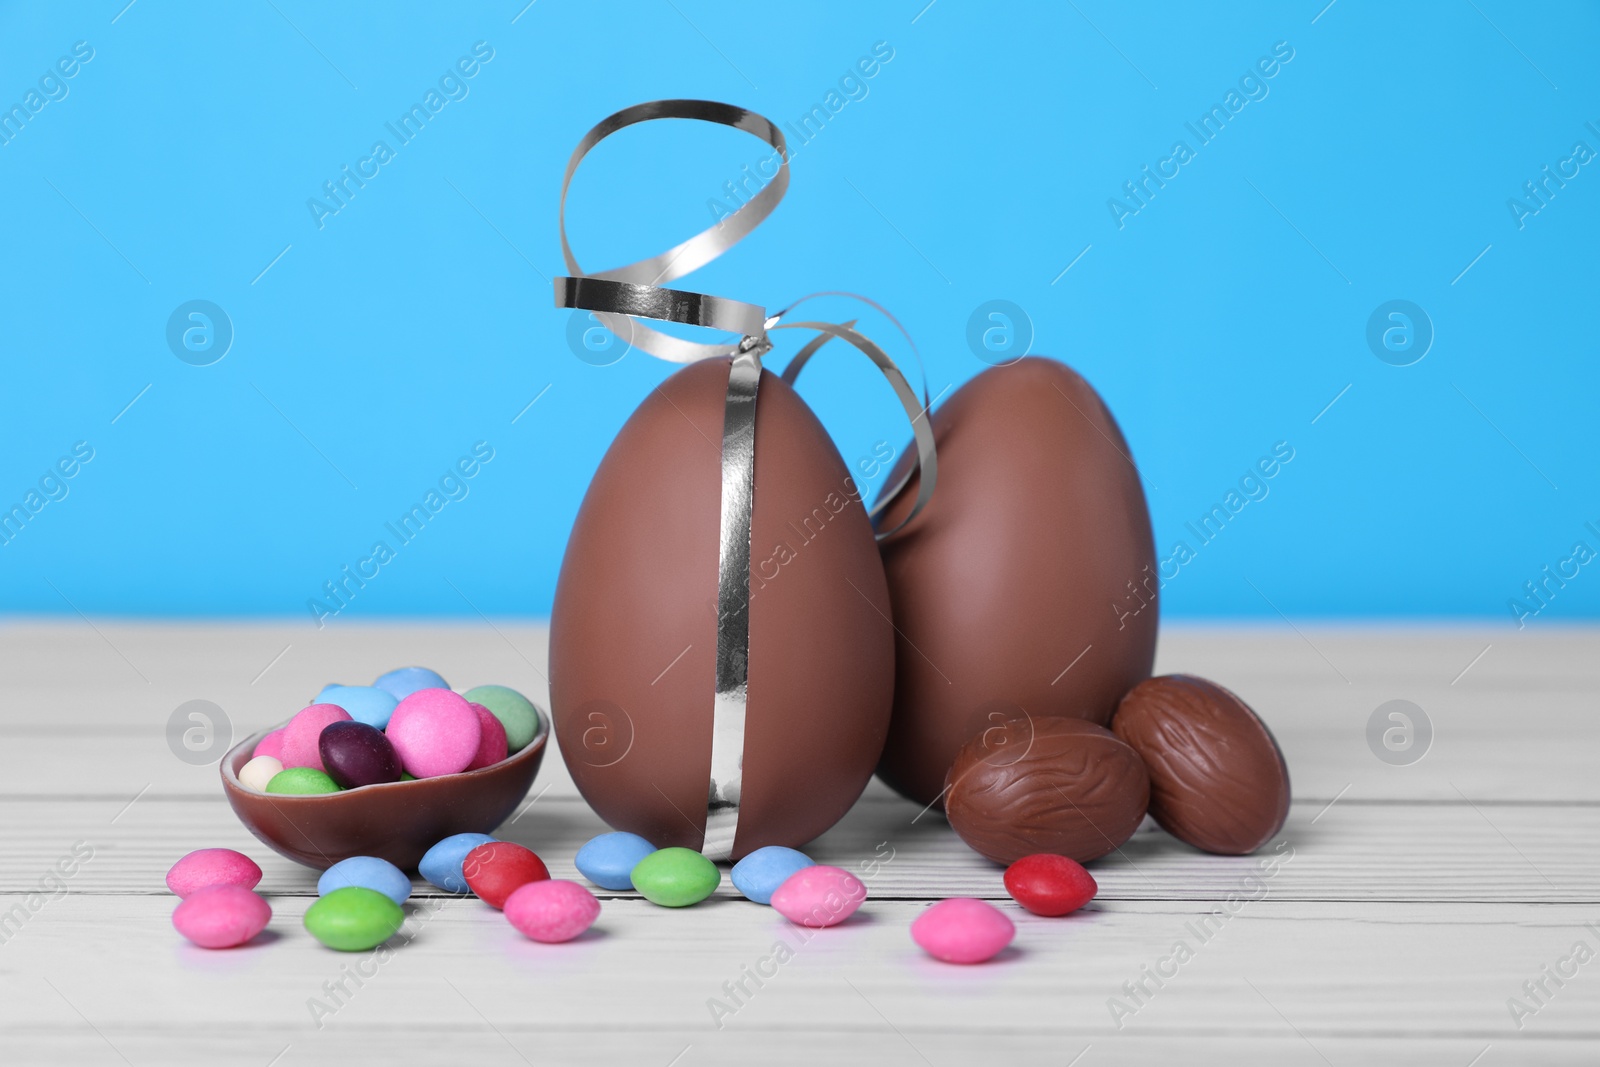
[(258, 772)]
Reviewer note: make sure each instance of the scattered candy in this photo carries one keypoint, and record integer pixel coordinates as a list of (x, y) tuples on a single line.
[(441, 864), (221, 916), (962, 930), (356, 754), (515, 712), (435, 732), (492, 746), (258, 772), (404, 681), (1048, 884), (497, 869), (270, 745), (552, 910), (819, 895), (301, 734), (366, 872), (608, 860), (759, 874), (353, 919), (302, 781), (365, 703), (676, 877), (212, 866)]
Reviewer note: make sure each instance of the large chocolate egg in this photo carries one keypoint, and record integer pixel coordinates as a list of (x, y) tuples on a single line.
[(633, 632), (1028, 584)]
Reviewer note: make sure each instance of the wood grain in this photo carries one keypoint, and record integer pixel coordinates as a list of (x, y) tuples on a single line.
[(1406, 906)]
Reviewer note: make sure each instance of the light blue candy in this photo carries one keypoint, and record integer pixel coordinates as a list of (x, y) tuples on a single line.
[(368, 872), (441, 864), (608, 860), (759, 874), (365, 703), (404, 681)]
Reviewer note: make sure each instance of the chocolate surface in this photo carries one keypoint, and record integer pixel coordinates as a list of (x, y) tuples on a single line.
[(1046, 784), (633, 631), (1217, 778), (1028, 584)]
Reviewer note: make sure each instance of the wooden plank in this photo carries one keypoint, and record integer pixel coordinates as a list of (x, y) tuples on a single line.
[(1350, 851), (1523, 699), (1297, 981), (1418, 899)]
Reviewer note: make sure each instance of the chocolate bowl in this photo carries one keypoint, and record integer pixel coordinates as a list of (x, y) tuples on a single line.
[(396, 821)]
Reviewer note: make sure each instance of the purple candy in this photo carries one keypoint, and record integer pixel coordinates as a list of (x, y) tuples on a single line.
[(355, 754)]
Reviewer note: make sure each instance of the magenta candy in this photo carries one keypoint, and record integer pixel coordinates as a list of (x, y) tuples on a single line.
[(270, 745), (301, 735), (962, 930), (221, 916), (435, 731), (552, 910), (492, 747), (356, 754), (212, 866), (819, 896)]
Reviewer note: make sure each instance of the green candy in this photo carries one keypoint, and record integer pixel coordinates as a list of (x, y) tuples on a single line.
[(407, 776), (302, 781), (676, 877), (353, 919), (515, 712)]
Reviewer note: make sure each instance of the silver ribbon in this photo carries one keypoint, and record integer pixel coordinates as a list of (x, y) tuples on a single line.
[(620, 297)]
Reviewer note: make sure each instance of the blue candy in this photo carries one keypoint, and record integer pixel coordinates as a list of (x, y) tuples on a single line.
[(759, 874), (365, 703), (441, 864), (608, 860), (368, 872), (404, 681)]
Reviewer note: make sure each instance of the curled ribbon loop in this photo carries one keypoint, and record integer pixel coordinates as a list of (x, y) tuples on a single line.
[(620, 297)]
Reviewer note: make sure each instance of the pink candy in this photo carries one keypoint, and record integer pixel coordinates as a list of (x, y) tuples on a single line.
[(819, 896), (962, 930), (435, 732), (552, 910), (271, 745), (301, 735), (212, 866), (221, 916), (492, 748)]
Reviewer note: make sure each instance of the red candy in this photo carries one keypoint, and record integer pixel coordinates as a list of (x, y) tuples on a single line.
[(1047, 884), (495, 870), (493, 747)]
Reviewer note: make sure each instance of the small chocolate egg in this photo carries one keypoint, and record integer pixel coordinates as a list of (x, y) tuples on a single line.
[(1034, 784), (1028, 584), (634, 626), (1217, 778)]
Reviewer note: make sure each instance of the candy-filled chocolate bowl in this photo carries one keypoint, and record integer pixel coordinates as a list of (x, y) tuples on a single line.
[(395, 821)]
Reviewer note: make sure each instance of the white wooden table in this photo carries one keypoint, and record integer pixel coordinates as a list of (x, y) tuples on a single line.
[(1418, 900)]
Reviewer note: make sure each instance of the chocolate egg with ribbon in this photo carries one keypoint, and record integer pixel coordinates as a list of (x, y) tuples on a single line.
[(1028, 586), (721, 651)]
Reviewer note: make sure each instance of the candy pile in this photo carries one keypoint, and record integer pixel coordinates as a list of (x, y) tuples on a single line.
[(408, 724), (359, 900)]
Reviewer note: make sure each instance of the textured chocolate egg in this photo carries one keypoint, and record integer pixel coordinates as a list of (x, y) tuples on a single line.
[(1217, 778), (1028, 584), (633, 631), (1031, 784)]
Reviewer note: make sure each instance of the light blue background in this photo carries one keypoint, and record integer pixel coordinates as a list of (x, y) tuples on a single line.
[(1221, 319)]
